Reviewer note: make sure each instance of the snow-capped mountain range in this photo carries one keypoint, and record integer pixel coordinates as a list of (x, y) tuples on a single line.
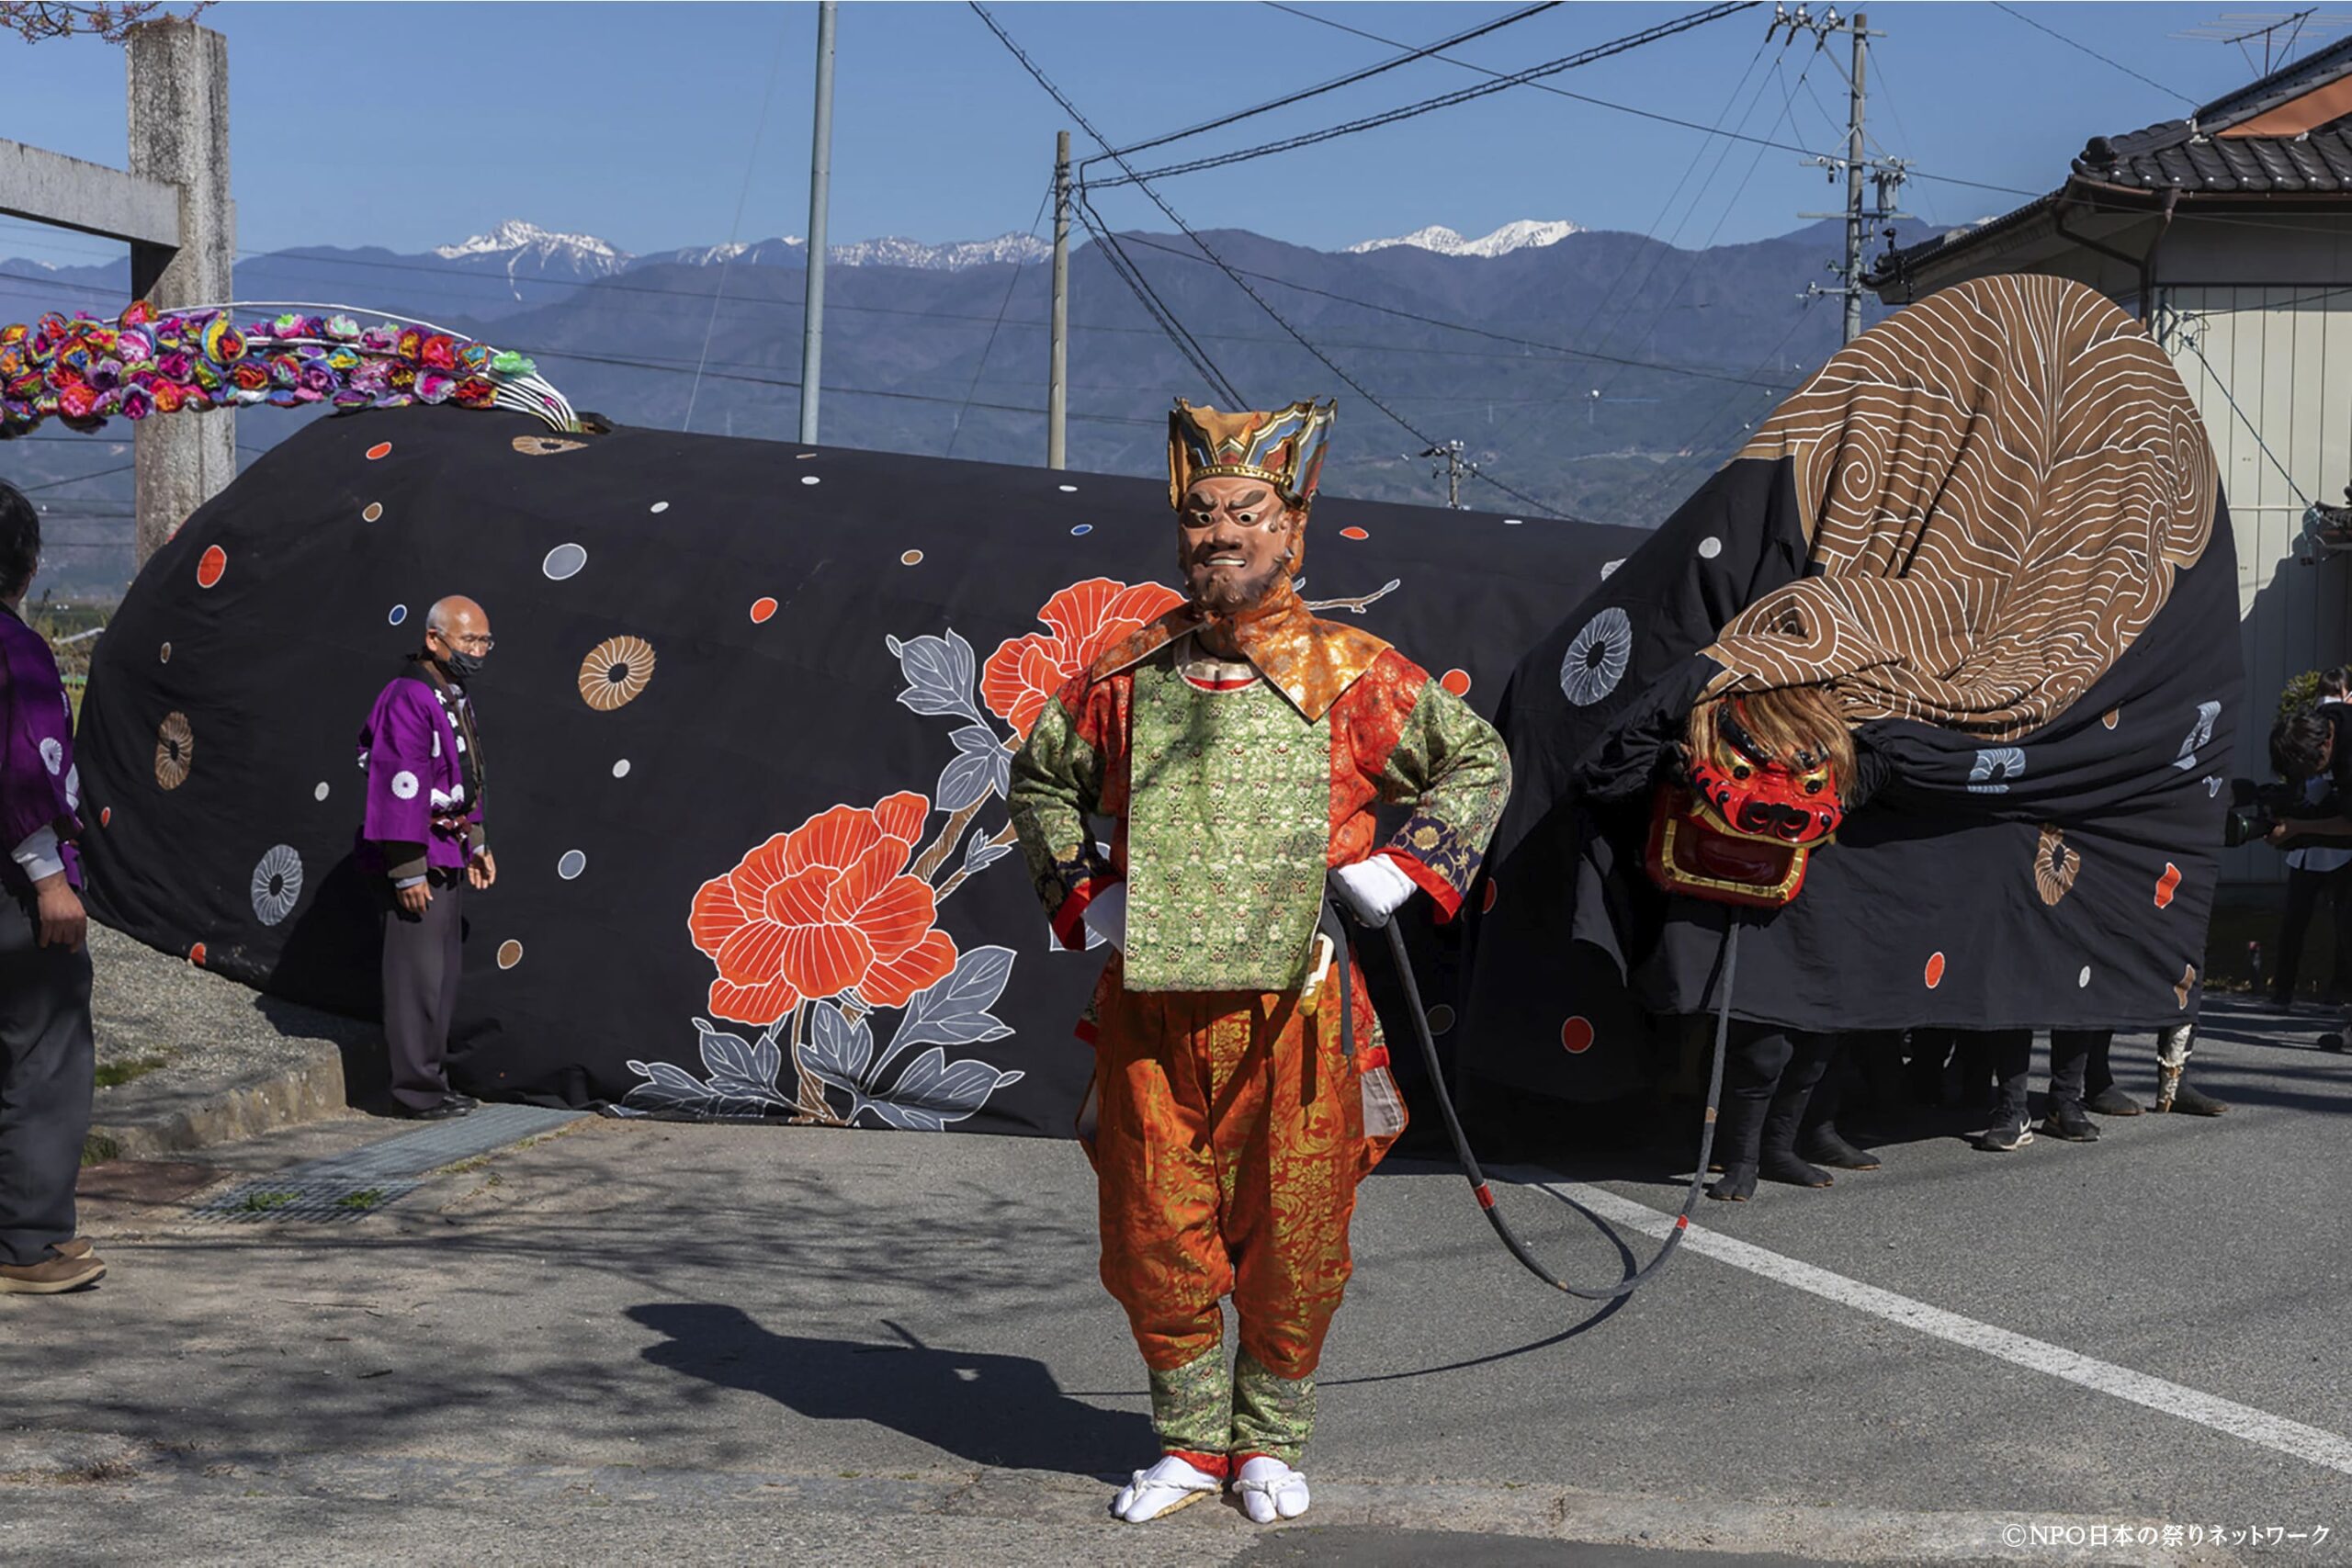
[(527, 247), (1525, 233)]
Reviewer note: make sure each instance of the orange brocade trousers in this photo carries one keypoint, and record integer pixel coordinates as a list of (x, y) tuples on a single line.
[(1227, 1145)]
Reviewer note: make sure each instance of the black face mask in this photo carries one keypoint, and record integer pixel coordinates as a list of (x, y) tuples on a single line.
[(462, 666)]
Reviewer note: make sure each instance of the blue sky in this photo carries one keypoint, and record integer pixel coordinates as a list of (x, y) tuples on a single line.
[(413, 125)]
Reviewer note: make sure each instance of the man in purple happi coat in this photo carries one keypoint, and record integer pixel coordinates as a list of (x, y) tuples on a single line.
[(424, 842), (47, 1055)]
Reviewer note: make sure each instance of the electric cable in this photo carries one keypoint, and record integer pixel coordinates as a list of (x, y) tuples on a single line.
[(1443, 100)]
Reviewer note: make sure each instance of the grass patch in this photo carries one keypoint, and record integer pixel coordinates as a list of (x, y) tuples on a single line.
[(97, 1148), (113, 1075), (368, 1198), (262, 1202)]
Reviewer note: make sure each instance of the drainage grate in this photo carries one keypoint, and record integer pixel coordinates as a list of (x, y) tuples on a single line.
[(362, 1180)]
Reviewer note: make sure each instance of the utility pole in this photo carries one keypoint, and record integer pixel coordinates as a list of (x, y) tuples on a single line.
[(821, 176), (1886, 174), (1851, 277), (1449, 454), (178, 81), (1058, 370)]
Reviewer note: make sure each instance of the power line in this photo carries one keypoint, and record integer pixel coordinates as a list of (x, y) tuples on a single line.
[(1133, 277), (2095, 54), (1123, 268), (1230, 272), (751, 161), (1447, 100), (1627, 108), (1464, 327), (989, 347), (1337, 82)]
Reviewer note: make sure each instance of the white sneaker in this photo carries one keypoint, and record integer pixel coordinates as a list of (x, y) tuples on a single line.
[(1271, 1490), (1164, 1488)]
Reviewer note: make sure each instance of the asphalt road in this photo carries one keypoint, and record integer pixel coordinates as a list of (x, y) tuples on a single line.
[(714, 1344)]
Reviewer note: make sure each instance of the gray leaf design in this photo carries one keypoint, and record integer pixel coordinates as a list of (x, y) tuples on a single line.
[(955, 1010), (732, 1057), (669, 1087), (983, 852), (836, 1050), (933, 1091), (939, 674), (964, 782), (977, 741)]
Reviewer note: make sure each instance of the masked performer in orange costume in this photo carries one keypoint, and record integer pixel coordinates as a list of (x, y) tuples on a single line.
[(1240, 745)]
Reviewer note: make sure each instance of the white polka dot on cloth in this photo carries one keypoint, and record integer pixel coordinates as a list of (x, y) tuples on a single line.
[(1609, 567), (2083, 980), (1069, 489), (573, 863), (659, 506), (52, 755), (404, 784), (1513, 522), (564, 561), (1710, 548), (73, 787), (620, 768), (810, 479), (321, 793)]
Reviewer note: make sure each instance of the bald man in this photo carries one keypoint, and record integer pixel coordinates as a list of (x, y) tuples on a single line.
[(423, 842)]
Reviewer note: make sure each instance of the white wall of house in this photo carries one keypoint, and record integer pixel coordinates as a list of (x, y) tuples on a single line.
[(2270, 368)]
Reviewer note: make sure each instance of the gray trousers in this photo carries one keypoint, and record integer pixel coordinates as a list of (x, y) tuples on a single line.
[(422, 957), (47, 1065)]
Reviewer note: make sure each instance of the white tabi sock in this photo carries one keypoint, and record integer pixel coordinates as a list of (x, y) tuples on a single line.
[(1271, 1490), (1164, 1488)]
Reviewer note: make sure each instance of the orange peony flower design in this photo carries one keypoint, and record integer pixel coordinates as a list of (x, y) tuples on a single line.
[(822, 909), (1021, 676)]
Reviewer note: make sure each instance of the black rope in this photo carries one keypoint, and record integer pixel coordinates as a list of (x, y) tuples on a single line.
[(1478, 1179)]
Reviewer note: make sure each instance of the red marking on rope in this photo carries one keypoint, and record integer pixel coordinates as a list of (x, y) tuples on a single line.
[(1682, 1221), (1485, 1195)]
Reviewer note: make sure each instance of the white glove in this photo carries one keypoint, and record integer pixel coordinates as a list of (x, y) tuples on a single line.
[(1373, 889), (1106, 915)]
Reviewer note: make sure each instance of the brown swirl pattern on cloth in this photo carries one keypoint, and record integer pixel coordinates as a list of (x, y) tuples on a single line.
[(1999, 484)]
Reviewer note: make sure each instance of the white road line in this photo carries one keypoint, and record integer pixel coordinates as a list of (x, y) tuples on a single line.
[(2258, 1426)]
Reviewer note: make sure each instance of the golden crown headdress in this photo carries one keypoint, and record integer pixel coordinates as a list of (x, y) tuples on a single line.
[(1283, 447)]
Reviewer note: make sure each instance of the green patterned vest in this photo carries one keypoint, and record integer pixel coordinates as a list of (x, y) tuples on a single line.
[(1228, 835)]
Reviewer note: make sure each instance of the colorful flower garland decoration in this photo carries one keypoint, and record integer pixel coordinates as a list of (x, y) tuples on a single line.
[(85, 371)]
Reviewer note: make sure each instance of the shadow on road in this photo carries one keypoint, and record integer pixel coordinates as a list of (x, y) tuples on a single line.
[(1003, 1411)]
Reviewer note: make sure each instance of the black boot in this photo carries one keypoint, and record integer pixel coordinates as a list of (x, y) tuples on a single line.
[(1822, 1144), (1778, 1157), (1757, 1057), (1817, 1137)]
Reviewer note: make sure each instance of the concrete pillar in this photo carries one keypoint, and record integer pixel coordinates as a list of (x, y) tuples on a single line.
[(179, 134)]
